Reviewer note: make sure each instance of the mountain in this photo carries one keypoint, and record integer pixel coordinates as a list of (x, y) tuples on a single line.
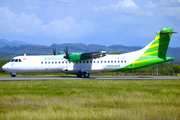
[(79, 47), (4, 42), (8, 52)]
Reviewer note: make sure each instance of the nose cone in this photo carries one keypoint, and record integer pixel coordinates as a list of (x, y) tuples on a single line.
[(4, 67)]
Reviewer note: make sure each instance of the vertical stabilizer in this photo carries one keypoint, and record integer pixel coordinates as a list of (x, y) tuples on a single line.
[(160, 44)]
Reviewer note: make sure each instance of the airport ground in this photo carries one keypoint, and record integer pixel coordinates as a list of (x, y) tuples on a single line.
[(90, 98), (29, 78)]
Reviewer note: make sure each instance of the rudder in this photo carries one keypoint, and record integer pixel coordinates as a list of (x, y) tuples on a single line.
[(160, 44)]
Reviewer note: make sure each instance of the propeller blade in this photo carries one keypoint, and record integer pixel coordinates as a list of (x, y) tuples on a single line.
[(54, 51), (66, 53)]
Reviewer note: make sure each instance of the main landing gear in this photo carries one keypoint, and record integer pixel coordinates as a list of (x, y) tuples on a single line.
[(84, 74)]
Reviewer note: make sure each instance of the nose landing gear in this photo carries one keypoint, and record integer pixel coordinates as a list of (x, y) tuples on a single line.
[(13, 74)]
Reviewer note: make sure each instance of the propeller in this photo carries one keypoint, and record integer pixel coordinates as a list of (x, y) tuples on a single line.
[(54, 51), (66, 53)]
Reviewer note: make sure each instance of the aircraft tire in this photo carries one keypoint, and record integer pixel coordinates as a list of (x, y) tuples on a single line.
[(79, 74), (13, 75), (86, 75)]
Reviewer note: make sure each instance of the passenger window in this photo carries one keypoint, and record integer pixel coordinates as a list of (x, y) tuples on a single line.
[(79, 61), (121, 61), (101, 61), (108, 61), (86, 61), (19, 60), (55, 62), (49, 62), (97, 61), (83, 61), (94, 61), (118, 61), (111, 61), (76, 61), (52, 62), (91, 61), (66, 62), (104, 61), (125, 61), (45, 62), (62, 62), (59, 62), (41, 62), (16, 60), (114, 61)]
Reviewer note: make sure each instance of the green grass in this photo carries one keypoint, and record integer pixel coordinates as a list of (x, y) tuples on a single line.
[(90, 99)]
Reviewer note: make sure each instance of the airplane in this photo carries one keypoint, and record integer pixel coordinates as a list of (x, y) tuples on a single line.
[(83, 64)]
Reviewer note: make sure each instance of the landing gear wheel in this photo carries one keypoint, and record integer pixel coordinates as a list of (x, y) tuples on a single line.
[(79, 74), (13, 75), (86, 75)]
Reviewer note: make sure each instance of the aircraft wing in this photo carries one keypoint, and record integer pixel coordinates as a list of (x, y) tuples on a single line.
[(94, 55), (85, 56)]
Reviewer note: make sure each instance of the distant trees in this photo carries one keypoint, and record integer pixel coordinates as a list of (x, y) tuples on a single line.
[(115, 53), (1, 64), (176, 68)]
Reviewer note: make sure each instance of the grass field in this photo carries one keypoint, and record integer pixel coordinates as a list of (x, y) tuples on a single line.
[(90, 99)]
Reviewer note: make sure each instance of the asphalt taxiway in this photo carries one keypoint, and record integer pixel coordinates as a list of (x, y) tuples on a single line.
[(30, 78)]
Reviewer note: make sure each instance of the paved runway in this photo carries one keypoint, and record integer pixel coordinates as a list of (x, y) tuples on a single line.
[(26, 78)]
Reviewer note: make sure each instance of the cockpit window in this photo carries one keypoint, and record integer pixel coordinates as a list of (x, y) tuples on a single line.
[(16, 60), (12, 60)]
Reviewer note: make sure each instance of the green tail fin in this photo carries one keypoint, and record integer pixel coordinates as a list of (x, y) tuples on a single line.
[(160, 44), (155, 52)]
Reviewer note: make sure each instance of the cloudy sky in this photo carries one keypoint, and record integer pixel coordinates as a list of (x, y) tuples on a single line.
[(104, 22)]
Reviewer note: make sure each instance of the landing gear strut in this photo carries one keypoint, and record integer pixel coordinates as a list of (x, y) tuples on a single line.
[(79, 74)]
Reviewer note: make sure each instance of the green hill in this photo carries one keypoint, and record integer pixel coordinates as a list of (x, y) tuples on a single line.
[(8, 52)]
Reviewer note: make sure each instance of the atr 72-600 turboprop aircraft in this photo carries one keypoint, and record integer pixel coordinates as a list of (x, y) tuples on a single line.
[(82, 64)]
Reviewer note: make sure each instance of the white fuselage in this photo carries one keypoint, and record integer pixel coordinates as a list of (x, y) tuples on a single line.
[(57, 63)]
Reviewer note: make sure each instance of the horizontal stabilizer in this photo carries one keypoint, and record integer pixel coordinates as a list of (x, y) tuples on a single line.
[(169, 32)]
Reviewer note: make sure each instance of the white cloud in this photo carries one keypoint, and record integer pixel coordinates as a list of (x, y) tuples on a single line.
[(169, 3), (171, 8), (172, 12), (32, 7), (30, 25), (124, 7), (150, 5), (67, 28), (164, 8), (15, 24)]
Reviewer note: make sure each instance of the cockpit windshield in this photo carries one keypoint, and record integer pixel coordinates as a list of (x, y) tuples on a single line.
[(12, 60), (15, 60)]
